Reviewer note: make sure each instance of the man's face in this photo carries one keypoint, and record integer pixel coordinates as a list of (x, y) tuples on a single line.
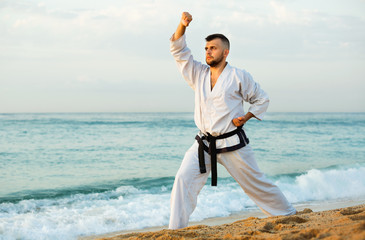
[(214, 52)]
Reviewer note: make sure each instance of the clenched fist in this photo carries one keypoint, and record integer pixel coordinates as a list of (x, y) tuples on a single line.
[(239, 121), (242, 120), (186, 18)]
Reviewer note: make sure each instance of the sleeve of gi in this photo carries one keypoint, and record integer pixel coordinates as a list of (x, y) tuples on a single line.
[(189, 68), (253, 94)]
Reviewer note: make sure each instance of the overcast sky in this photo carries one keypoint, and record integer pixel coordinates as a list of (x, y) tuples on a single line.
[(113, 55)]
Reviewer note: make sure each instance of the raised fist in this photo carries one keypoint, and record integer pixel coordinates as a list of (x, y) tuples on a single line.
[(186, 18)]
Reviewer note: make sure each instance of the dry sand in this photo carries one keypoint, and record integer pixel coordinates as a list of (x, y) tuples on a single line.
[(342, 223)]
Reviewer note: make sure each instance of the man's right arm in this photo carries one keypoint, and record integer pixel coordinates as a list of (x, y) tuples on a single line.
[(186, 18), (189, 68)]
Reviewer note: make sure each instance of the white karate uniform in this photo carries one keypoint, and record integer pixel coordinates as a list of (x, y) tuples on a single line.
[(214, 111)]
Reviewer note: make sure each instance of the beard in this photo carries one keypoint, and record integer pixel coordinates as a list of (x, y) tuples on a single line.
[(215, 62)]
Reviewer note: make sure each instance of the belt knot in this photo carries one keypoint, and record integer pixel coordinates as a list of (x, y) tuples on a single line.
[(212, 149)]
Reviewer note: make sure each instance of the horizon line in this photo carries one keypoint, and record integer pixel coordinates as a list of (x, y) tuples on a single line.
[(134, 112)]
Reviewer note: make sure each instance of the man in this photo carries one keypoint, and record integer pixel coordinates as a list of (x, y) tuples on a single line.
[(220, 90)]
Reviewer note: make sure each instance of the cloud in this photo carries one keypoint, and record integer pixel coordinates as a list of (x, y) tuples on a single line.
[(288, 32), (269, 28), (110, 27), (122, 46)]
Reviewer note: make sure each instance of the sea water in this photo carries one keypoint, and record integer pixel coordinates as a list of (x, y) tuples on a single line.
[(65, 175)]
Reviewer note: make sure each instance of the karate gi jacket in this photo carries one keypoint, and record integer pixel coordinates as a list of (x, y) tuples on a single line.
[(216, 108)]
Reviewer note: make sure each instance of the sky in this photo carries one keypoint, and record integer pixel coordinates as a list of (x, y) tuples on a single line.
[(113, 55)]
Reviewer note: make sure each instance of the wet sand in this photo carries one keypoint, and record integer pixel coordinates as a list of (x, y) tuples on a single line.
[(340, 223)]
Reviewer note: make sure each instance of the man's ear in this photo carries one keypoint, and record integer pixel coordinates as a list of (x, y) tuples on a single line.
[(226, 52)]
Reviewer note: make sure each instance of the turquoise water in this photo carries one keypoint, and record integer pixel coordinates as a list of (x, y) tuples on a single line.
[(64, 175)]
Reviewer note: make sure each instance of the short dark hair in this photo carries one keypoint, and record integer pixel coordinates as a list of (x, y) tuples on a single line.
[(221, 37)]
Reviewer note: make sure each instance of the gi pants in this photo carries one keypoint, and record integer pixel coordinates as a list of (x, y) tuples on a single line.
[(242, 166)]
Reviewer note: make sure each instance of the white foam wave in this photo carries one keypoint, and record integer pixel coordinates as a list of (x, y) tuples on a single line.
[(68, 218), (319, 185), (221, 201), (130, 208), (315, 185)]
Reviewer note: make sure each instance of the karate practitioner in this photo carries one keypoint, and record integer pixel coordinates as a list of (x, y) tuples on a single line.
[(220, 90)]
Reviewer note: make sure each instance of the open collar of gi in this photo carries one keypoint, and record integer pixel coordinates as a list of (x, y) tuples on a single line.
[(220, 80)]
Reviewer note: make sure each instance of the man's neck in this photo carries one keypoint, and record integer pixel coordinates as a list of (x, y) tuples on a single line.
[(217, 70)]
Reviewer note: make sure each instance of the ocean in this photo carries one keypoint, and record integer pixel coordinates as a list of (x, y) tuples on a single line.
[(66, 175)]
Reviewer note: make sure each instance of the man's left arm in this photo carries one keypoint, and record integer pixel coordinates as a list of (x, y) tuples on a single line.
[(253, 94)]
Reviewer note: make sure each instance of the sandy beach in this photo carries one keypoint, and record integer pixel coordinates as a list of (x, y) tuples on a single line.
[(337, 223)]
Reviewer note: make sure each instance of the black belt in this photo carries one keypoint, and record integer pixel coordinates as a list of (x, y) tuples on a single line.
[(212, 149)]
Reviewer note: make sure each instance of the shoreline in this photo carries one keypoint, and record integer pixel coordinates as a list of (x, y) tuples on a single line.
[(315, 207)]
